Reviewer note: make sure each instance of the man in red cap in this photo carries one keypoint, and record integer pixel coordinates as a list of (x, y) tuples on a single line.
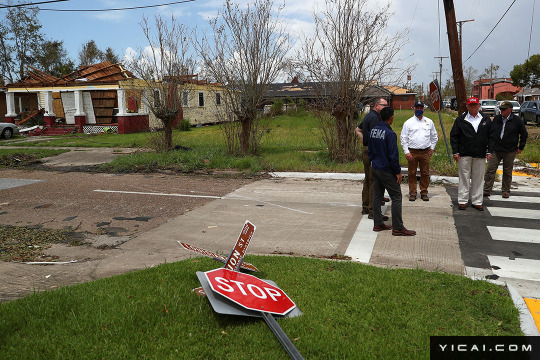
[(472, 142)]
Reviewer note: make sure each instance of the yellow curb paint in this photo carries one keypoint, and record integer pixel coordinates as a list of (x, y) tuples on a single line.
[(534, 308), (535, 165), (517, 173)]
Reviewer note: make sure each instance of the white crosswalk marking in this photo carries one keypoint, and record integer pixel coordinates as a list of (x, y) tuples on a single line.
[(514, 234), (514, 213), (526, 269), (520, 199)]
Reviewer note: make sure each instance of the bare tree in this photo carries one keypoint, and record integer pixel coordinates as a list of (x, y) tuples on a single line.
[(163, 68), (350, 52), (245, 53)]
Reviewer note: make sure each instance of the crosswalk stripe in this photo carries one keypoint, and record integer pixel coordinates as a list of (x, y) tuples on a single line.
[(520, 199), (519, 268), (361, 246), (514, 213), (514, 234)]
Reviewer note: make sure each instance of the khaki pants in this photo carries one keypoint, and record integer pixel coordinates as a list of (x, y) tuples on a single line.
[(508, 165), (471, 175), (367, 191), (420, 157)]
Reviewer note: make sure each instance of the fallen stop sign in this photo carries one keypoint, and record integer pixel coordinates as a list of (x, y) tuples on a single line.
[(249, 291)]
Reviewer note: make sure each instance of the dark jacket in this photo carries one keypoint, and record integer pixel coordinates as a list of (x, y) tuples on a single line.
[(514, 132), (383, 150), (467, 142), (370, 121)]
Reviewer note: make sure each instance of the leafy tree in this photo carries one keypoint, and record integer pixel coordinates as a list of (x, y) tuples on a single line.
[(90, 54), (111, 56), (245, 52), (20, 38), (528, 73), (52, 58)]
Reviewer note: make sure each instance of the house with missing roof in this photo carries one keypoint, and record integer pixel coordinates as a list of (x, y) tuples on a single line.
[(97, 98), (310, 92)]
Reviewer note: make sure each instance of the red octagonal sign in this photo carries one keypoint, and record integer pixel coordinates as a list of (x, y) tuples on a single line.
[(249, 292)]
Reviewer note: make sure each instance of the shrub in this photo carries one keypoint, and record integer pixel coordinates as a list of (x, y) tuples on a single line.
[(184, 125)]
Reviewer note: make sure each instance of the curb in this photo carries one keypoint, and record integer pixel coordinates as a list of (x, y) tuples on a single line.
[(352, 176)]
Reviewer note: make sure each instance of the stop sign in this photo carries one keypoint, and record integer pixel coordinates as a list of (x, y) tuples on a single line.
[(434, 96), (249, 292)]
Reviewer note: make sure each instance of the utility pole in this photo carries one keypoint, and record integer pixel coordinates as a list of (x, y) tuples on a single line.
[(440, 68), (460, 24), (455, 55)]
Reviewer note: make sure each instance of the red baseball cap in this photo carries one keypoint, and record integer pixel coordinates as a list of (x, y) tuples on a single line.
[(472, 100)]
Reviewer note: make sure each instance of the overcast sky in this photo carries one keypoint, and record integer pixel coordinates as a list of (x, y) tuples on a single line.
[(506, 46)]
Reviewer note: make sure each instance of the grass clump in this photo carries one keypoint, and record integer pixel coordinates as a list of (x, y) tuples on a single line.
[(350, 310)]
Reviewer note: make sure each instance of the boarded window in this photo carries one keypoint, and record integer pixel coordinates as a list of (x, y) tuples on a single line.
[(201, 99), (218, 99)]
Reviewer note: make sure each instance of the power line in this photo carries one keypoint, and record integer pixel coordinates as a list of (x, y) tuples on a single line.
[(30, 4), (474, 52), (119, 9)]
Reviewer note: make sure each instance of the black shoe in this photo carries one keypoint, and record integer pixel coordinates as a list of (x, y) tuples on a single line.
[(424, 197), (412, 197), (384, 217), (486, 194)]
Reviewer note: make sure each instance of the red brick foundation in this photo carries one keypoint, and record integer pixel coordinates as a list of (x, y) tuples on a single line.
[(10, 119), (49, 120), (80, 121), (128, 124)]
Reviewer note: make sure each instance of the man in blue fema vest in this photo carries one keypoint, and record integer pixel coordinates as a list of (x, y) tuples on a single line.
[(384, 156)]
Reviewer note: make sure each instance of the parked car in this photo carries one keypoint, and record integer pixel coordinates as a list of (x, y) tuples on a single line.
[(487, 106), (8, 130), (515, 108), (530, 112)]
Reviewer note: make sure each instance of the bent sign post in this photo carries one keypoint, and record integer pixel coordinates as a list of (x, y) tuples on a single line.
[(435, 97)]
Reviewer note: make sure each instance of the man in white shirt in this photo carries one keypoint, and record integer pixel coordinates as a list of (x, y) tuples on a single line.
[(418, 140)]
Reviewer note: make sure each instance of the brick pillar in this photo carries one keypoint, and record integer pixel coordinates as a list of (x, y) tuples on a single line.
[(49, 120), (80, 121), (10, 119)]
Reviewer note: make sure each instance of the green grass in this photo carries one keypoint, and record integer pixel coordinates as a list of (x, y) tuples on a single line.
[(290, 143), (350, 311)]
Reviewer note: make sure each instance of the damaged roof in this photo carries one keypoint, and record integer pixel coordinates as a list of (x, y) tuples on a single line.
[(104, 72)]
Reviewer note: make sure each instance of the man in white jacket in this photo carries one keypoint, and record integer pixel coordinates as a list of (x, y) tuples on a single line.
[(418, 140)]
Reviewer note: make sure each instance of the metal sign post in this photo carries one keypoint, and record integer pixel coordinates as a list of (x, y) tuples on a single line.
[(235, 293), (435, 96)]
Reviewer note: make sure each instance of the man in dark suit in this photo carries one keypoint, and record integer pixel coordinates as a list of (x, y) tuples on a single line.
[(510, 136)]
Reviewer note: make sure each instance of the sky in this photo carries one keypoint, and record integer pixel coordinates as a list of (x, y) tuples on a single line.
[(507, 45)]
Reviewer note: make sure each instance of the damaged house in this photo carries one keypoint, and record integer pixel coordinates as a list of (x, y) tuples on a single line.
[(97, 98)]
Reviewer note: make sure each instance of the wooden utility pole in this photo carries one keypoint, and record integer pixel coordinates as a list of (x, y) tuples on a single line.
[(455, 55), (460, 24), (440, 68)]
